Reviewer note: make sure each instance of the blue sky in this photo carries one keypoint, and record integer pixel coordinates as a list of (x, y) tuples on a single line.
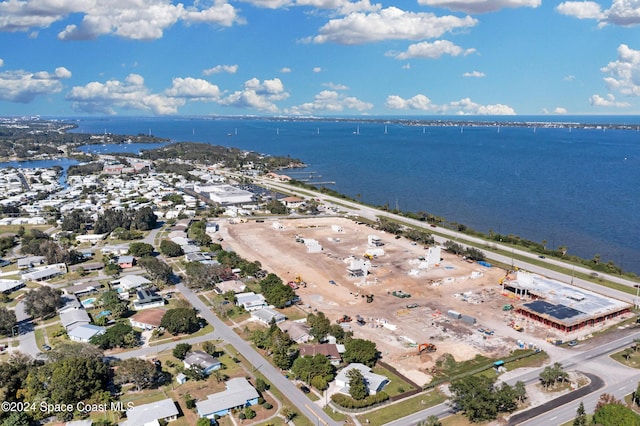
[(319, 57)]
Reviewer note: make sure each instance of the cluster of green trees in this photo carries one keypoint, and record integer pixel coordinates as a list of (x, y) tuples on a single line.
[(202, 153), (321, 327), (350, 402), (157, 270), (198, 233), (142, 219), (120, 335), (480, 399), (170, 249), (609, 411), (7, 321), (74, 373), (470, 252), (277, 343), (553, 374), (315, 370), (276, 292), (204, 276), (39, 243), (43, 302), (180, 320)]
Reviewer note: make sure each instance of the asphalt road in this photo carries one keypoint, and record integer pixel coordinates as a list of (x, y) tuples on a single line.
[(27, 336), (275, 377)]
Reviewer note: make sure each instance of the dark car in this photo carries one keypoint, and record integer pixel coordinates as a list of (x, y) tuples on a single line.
[(305, 389), (46, 347)]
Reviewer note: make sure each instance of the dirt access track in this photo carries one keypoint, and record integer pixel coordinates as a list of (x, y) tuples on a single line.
[(454, 284)]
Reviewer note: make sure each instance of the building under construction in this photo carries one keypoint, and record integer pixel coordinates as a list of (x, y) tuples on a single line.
[(562, 306)]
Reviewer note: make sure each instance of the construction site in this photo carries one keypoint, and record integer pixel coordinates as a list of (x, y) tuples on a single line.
[(416, 303)]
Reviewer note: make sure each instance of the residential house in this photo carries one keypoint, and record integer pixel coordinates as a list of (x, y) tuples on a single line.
[(297, 331), (147, 319), (87, 266), (90, 238), (239, 394), (327, 349), (84, 333), (126, 262), (83, 288), (374, 382), (73, 318), (30, 262), (251, 301), (203, 360), (9, 286), (69, 303), (230, 285), (129, 282), (46, 273), (154, 413), (147, 299), (266, 315), (292, 202)]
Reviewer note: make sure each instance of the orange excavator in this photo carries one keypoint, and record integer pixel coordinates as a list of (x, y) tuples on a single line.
[(429, 347)]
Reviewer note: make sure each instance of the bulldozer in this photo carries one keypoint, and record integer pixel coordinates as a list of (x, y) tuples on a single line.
[(429, 347)]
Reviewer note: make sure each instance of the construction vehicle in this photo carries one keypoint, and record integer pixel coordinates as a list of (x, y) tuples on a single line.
[(507, 307), (368, 256), (360, 320), (429, 347), (344, 318), (518, 327), (298, 280), (369, 297), (401, 294)]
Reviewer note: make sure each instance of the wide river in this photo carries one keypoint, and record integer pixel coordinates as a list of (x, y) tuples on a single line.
[(568, 186)]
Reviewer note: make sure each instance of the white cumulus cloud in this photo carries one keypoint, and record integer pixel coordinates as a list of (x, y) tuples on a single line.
[(335, 86), (24, 86), (431, 50), (257, 94), (480, 6), (229, 69), (330, 101), (608, 101), (624, 73), (418, 102), (317, 69), (194, 89), (463, 107), (136, 19), (621, 12), (475, 74), (580, 9), (559, 110), (389, 24), (285, 70)]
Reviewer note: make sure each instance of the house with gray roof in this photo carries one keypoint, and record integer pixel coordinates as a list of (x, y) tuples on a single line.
[(84, 333), (251, 301), (374, 382), (239, 394), (152, 413), (266, 315), (73, 318), (207, 362)]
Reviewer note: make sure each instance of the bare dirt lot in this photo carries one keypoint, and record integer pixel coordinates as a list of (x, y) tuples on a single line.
[(454, 284)]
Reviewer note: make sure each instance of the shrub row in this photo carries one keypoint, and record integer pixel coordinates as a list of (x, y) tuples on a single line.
[(348, 402)]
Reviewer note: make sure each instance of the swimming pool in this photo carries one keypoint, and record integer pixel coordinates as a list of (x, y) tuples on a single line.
[(88, 302)]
